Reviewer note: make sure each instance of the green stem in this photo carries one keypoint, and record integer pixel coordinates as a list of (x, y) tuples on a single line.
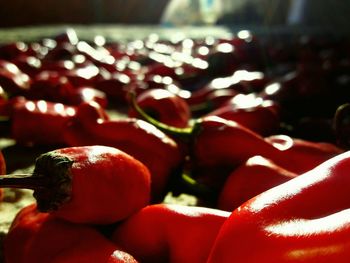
[(195, 187), (342, 125)]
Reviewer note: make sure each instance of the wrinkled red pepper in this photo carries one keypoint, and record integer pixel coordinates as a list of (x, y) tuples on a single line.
[(88, 184), (170, 233), (41, 237), (253, 177), (306, 219), (136, 137)]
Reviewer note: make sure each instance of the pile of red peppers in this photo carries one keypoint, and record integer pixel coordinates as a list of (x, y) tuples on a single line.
[(254, 128)]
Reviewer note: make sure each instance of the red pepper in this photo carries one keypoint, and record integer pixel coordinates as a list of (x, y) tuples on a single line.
[(262, 118), (306, 219), (53, 86), (40, 237), (136, 137), (240, 82), (3, 101), (170, 233), (91, 184), (231, 144), (12, 80), (253, 177), (38, 122), (164, 106)]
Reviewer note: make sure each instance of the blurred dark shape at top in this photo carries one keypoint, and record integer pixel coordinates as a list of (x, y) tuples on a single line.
[(37, 12)]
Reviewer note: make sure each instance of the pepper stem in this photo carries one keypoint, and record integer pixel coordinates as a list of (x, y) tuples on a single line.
[(342, 125), (25, 181), (180, 132)]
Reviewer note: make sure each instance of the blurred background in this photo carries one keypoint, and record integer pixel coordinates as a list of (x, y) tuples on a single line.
[(318, 13)]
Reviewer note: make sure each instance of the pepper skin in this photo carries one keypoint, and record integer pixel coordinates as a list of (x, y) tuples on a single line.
[(307, 154), (263, 119), (164, 106), (253, 177), (136, 137), (294, 222), (232, 144), (41, 237), (170, 233), (87, 184), (28, 118)]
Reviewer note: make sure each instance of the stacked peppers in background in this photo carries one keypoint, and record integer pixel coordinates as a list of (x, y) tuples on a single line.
[(223, 120)]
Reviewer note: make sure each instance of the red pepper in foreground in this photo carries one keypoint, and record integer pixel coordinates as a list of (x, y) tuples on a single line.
[(253, 177), (306, 219), (170, 233), (136, 137), (40, 237), (91, 184)]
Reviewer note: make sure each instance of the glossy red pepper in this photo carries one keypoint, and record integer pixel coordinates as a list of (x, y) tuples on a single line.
[(136, 137), (253, 177), (164, 106), (41, 237), (231, 144), (170, 233), (294, 222), (38, 122), (91, 184)]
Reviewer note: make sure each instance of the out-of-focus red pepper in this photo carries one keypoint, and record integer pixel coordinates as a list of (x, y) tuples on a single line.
[(136, 137), (240, 82), (3, 101), (52, 86), (113, 86), (41, 237), (170, 233), (90, 184), (294, 222), (262, 118), (12, 80), (38, 122), (253, 177), (164, 106)]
